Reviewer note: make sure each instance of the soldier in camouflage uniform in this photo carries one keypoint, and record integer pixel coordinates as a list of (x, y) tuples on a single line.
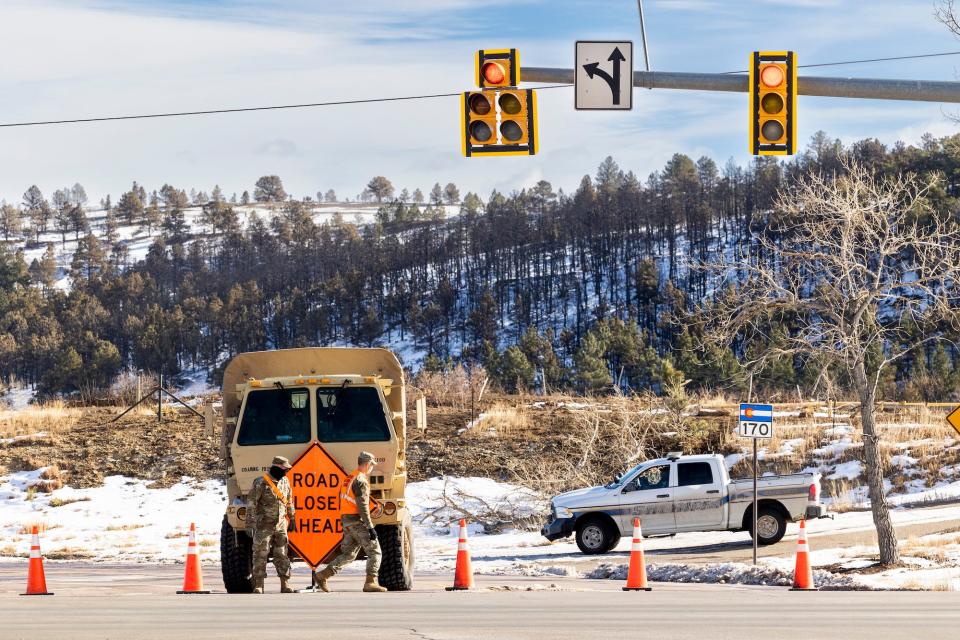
[(358, 531), (270, 508)]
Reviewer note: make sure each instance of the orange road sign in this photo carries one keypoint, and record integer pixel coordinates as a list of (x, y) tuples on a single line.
[(953, 419), (315, 479)]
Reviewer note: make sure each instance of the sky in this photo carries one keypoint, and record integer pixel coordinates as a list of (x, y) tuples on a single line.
[(87, 58)]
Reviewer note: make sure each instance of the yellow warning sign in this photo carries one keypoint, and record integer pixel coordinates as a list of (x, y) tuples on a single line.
[(953, 419), (316, 479)]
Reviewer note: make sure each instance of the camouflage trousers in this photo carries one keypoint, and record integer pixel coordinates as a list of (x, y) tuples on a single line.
[(356, 537), (269, 541)]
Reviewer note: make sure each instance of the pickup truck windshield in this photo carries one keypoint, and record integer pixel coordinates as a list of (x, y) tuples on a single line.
[(623, 477), (275, 416), (350, 414)]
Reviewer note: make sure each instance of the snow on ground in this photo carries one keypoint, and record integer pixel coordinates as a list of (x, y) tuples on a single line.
[(123, 520), (17, 398), (127, 521)]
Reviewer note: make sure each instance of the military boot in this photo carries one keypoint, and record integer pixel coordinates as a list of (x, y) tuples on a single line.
[(258, 585), (371, 585), (320, 581), (285, 586)]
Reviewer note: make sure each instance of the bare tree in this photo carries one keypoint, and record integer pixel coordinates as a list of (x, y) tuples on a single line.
[(863, 270)]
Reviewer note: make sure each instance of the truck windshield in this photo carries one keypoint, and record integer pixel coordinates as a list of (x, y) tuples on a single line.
[(275, 416), (351, 414), (623, 477)]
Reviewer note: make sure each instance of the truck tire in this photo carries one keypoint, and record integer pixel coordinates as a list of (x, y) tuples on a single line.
[(771, 526), (236, 559), (614, 541), (596, 535), (397, 565)]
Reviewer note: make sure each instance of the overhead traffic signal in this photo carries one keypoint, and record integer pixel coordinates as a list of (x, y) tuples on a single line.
[(773, 103), (497, 68), (499, 119), (499, 122)]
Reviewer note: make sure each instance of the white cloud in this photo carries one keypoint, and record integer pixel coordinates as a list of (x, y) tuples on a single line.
[(119, 58)]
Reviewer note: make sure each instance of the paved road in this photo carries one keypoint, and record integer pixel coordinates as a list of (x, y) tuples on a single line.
[(742, 550), (139, 602)]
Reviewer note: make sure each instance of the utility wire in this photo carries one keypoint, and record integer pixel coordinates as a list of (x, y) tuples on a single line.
[(306, 105), (333, 103)]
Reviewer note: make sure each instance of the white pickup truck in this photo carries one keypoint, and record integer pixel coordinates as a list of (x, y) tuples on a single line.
[(682, 493)]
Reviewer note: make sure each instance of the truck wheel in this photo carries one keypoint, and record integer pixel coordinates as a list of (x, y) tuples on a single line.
[(236, 559), (614, 541), (771, 526), (595, 536), (396, 567)]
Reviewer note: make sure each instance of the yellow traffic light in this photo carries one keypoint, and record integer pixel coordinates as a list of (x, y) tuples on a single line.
[(499, 122), (773, 103), (497, 68)]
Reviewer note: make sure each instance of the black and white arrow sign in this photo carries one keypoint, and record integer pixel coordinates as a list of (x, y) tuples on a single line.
[(604, 75)]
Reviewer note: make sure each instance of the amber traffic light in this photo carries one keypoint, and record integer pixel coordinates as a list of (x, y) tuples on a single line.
[(773, 103), (497, 68), (499, 122)]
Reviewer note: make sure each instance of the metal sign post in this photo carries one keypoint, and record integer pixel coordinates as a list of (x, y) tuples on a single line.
[(756, 422)]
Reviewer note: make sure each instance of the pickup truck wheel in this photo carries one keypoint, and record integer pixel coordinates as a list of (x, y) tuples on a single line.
[(594, 536), (771, 526)]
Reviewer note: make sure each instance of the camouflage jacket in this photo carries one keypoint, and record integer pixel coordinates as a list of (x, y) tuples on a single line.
[(265, 509)]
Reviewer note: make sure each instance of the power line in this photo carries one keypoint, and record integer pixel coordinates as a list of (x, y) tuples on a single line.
[(836, 64), (333, 103), (174, 114)]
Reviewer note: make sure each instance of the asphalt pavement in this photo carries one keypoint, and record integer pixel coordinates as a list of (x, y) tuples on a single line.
[(139, 601)]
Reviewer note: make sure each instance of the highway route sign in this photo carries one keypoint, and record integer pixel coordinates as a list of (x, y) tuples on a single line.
[(603, 75), (756, 421), (953, 419)]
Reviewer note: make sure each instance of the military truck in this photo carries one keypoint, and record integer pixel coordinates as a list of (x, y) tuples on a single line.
[(347, 400)]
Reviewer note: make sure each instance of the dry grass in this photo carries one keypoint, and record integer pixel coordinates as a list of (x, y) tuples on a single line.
[(61, 502), (69, 553), (49, 417), (27, 527), (124, 527), (503, 420), (208, 542)]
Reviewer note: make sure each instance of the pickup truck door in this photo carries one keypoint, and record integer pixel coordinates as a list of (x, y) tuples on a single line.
[(698, 497), (648, 496)]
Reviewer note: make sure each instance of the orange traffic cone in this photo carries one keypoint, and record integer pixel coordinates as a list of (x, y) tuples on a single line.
[(803, 573), (192, 576), (36, 581), (637, 571), (463, 577)]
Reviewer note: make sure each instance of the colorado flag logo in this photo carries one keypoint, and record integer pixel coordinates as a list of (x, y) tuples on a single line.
[(756, 413)]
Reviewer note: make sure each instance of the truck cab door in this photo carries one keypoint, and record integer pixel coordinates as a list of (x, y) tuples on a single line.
[(648, 496), (698, 497)]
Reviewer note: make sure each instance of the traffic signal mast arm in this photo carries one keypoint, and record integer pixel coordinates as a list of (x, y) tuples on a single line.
[(870, 88)]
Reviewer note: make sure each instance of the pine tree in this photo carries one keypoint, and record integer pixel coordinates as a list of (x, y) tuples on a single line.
[(515, 372), (10, 223), (451, 195), (269, 189), (592, 373), (436, 195)]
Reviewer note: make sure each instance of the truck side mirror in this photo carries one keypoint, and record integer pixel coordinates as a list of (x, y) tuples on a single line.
[(422, 414), (208, 419)]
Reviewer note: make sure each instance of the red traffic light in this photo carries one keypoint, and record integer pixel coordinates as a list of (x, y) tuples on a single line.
[(771, 75), (493, 73)]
